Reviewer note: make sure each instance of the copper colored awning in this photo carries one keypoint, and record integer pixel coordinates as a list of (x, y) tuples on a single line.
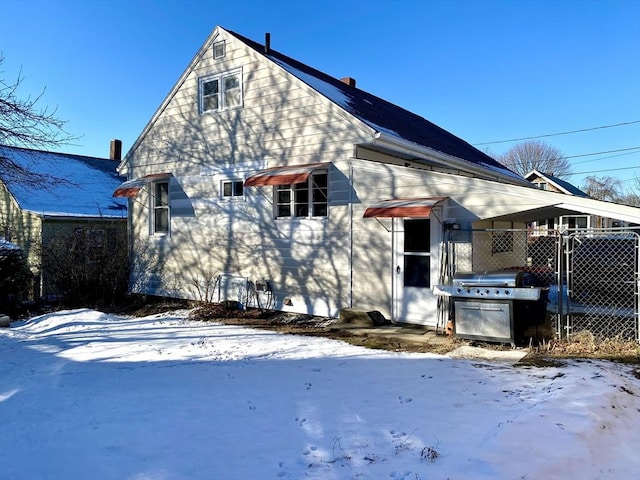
[(132, 187), (404, 207), (284, 175)]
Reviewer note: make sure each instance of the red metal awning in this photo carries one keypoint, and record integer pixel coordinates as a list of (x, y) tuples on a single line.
[(284, 175), (403, 207), (132, 187)]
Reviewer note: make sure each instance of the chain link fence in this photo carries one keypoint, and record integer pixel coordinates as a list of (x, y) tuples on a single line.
[(591, 276), (602, 283)]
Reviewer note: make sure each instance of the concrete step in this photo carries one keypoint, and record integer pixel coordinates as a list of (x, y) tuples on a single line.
[(361, 318)]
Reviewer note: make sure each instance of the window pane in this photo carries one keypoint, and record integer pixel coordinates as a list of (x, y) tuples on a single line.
[(319, 209), (320, 180), (210, 103), (238, 189), (231, 91), (232, 98), (302, 194), (226, 189), (210, 88), (162, 220), (284, 196), (218, 49), (283, 211), (210, 91), (162, 194), (416, 271), (231, 82), (302, 209), (417, 236)]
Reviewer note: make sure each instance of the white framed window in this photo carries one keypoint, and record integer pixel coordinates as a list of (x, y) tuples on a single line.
[(232, 189), (307, 199), (221, 92), (160, 209), (219, 49)]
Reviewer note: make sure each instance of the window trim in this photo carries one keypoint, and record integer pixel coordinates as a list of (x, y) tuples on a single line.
[(153, 208), (219, 77), (310, 203), (234, 181), (219, 49)]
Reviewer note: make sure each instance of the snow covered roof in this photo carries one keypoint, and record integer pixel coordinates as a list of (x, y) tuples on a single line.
[(382, 116), (6, 246), (83, 189)]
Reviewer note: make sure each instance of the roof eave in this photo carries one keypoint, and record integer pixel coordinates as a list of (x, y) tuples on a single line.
[(409, 147)]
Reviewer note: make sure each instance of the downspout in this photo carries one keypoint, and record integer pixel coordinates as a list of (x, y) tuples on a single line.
[(351, 200)]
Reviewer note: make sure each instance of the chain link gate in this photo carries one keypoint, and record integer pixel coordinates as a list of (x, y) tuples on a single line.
[(602, 278), (592, 276)]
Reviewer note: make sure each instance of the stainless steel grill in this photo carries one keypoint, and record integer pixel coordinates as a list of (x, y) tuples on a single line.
[(484, 303)]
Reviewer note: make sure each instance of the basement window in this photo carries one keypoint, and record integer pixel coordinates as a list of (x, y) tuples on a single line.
[(221, 92)]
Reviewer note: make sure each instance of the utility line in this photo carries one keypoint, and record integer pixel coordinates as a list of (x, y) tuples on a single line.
[(604, 158), (600, 153), (606, 170), (556, 134)]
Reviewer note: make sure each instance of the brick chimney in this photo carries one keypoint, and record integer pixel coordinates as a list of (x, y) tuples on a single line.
[(115, 152), (349, 81)]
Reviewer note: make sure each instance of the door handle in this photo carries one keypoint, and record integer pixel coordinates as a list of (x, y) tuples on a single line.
[(397, 269)]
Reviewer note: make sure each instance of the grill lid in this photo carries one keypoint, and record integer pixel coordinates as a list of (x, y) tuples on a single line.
[(498, 278)]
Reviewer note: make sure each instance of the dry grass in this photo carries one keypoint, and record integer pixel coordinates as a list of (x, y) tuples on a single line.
[(585, 345)]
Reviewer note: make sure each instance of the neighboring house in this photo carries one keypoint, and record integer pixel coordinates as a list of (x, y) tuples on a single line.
[(545, 181), (76, 199), (263, 180)]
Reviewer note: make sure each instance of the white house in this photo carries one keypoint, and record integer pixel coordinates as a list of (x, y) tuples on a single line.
[(576, 220), (264, 180)]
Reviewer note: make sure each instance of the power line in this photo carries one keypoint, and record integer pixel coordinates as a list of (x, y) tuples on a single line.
[(600, 153), (606, 170), (560, 133), (604, 158)]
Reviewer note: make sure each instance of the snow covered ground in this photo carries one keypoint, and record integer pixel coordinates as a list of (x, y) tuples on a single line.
[(89, 395)]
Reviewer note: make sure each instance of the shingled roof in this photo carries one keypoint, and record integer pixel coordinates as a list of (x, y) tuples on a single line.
[(80, 186), (380, 114), (563, 185)]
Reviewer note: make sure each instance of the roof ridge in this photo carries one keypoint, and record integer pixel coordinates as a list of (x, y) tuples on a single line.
[(64, 154), (383, 115)]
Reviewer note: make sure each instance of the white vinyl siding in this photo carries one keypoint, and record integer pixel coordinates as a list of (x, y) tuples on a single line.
[(281, 122)]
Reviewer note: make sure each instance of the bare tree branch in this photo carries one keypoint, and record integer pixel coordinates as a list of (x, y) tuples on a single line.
[(536, 155), (23, 123), (603, 188)]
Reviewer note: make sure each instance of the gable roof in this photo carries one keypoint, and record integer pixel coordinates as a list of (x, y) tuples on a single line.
[(84, 188), (400, 130), (381, 115), (560, 184)]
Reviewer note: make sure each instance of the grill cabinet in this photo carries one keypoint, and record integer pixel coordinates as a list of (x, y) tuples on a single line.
[(485, 304)]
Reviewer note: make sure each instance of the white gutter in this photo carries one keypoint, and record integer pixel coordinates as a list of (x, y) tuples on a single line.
[(405, 146)]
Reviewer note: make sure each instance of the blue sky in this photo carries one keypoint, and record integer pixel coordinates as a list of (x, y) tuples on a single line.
[(487, 71)]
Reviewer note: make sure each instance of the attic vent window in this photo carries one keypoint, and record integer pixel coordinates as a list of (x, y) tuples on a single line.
[(219, 49)]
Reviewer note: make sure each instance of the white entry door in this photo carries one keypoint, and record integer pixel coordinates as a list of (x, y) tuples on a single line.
[(416, 259)]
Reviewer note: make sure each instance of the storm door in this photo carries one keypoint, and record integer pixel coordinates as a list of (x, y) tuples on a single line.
[(415, 270)]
